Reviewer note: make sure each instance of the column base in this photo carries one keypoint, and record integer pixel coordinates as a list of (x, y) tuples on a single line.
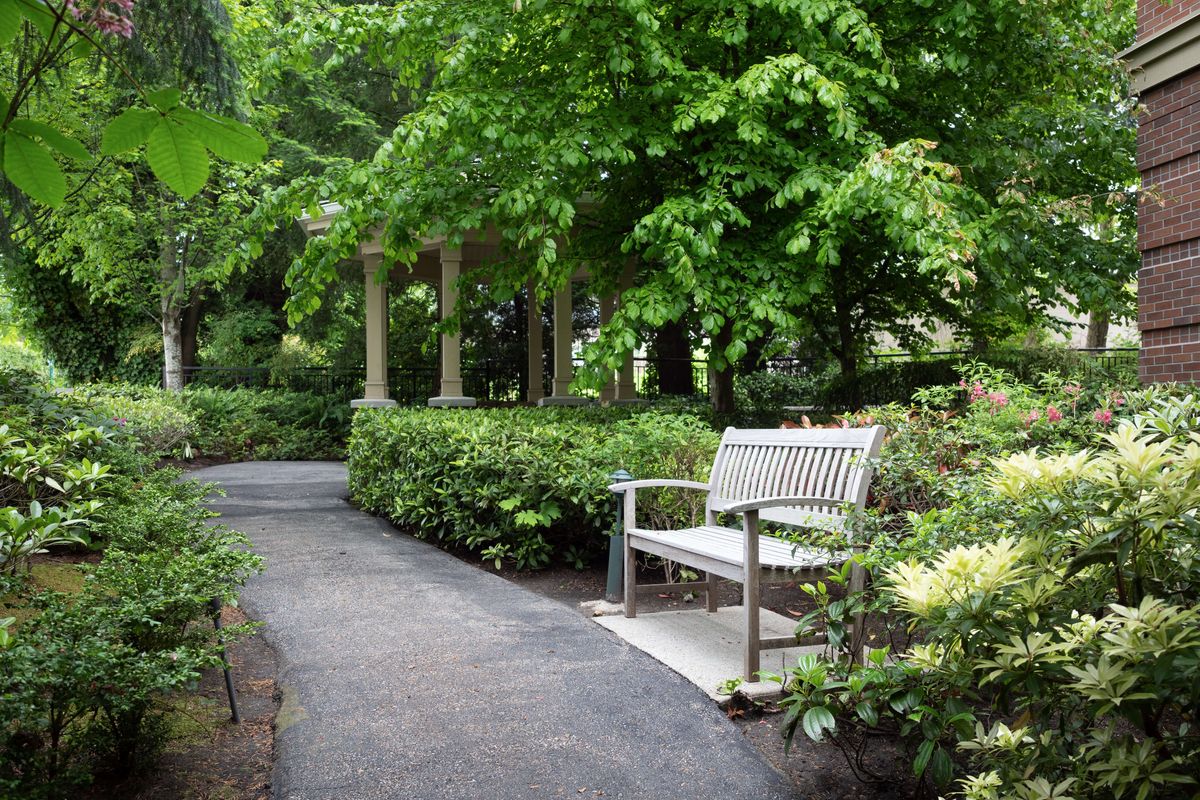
[(365, 403), (452, 402), (565, 400)]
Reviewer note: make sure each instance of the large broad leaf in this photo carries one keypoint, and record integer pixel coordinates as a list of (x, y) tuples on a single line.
[(165, 99), (816, 721), (129, 130), (10, 20), (177, 158), (31, 168), (53, 137), (42, 19), (226, 138)]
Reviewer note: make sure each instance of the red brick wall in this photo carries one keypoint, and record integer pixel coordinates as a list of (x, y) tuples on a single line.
[(1154, 15), (1169, 216)]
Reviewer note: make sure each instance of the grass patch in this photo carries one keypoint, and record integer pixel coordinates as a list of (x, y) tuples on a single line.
[(57, 576)]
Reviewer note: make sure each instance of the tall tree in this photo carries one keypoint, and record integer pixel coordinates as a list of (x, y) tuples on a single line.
[(838, 167), (59, 70)]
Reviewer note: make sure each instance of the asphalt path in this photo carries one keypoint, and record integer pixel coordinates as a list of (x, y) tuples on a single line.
[(407, 673)]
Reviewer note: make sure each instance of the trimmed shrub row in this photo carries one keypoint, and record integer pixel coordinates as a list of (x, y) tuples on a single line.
[(522, 484)]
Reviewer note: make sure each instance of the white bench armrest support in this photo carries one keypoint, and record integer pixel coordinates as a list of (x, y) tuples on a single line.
[(629, 488), (775, 502)]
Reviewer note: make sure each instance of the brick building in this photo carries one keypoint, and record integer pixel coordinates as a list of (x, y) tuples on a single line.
[(1165, 70)]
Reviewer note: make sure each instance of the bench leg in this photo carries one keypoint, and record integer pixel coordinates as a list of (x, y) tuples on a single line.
[(858, 633), (630, 580), (710, 592), (750, 601)]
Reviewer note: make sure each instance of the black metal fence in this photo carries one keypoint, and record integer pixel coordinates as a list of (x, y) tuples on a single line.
[(503, 382)]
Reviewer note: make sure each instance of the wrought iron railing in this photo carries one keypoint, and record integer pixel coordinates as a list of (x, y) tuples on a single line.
[(504, 382)]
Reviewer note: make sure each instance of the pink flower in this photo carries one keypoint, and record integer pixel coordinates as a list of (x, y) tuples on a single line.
[(998, 399), (978, 392), (1103, 416), (106, 16), (1053, 414), (121, 421), (1117, 398), (1032, 417), (1072, 388), (963, 383)]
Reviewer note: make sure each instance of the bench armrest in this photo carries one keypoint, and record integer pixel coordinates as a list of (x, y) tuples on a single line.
[(621, 487), (743, 506)]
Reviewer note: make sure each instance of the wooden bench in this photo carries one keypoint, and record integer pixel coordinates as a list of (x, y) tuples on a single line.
[(807, 478)]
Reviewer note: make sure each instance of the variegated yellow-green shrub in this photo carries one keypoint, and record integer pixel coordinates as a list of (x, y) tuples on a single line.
[(1059, 656)]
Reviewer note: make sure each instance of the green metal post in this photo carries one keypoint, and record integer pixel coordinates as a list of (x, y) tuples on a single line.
[(616, 542)]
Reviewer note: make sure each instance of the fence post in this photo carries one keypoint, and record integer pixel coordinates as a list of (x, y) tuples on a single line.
[(616, 542)]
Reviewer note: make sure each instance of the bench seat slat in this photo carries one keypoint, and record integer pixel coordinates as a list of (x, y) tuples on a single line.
[(726, 545)]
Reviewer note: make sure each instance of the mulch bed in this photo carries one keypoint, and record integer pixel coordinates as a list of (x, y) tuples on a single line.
[(213, 759)]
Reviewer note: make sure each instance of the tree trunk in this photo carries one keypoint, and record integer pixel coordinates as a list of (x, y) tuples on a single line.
[(674, 353), (171, 292), (1097, 330), (172, 331), (847, 355), (721, 387), (190, 329)]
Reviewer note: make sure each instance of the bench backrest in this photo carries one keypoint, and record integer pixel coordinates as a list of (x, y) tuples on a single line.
[(829, 463)]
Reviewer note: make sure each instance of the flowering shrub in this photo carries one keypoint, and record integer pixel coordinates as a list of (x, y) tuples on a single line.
[(107, 16), (1053, 609)]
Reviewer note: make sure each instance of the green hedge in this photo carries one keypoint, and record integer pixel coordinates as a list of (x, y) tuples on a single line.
[(235, 424), (523, 483)]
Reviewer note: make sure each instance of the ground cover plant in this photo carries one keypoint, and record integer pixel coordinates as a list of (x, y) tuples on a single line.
[(89, 670), (1034, 550)]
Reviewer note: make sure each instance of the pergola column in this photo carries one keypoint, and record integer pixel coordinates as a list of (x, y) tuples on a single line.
[(375, 387), (536, 390), (608, 305), (564, 370), (451, 391), (626, 386)]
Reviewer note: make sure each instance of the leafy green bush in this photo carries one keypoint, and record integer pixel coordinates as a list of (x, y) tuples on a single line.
[(1051, 595), (237, 424), (896, 381), (268, 425), (159, 425), (86, 678), (520, 483), (760, 397)]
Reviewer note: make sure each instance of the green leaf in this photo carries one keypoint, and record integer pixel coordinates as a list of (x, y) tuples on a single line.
[(226, 138), (33, 170), (165, 99), (53, 138), (867, 713), (42, 19), (177, 158), (941, 769), (816, 721), (10, 20), (129, 130)]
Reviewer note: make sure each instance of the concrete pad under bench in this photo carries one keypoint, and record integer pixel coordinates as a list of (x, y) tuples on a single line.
[(706, 649)]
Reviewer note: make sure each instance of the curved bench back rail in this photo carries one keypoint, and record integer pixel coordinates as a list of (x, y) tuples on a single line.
[(755, 464)]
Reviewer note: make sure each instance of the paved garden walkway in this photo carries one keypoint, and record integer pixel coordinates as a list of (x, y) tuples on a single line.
[(407, 673)]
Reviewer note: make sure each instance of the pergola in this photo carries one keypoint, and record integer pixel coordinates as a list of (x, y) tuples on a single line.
[(441, 266)]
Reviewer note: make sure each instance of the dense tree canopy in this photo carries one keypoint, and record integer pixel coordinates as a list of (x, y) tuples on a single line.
[(829, 167)]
